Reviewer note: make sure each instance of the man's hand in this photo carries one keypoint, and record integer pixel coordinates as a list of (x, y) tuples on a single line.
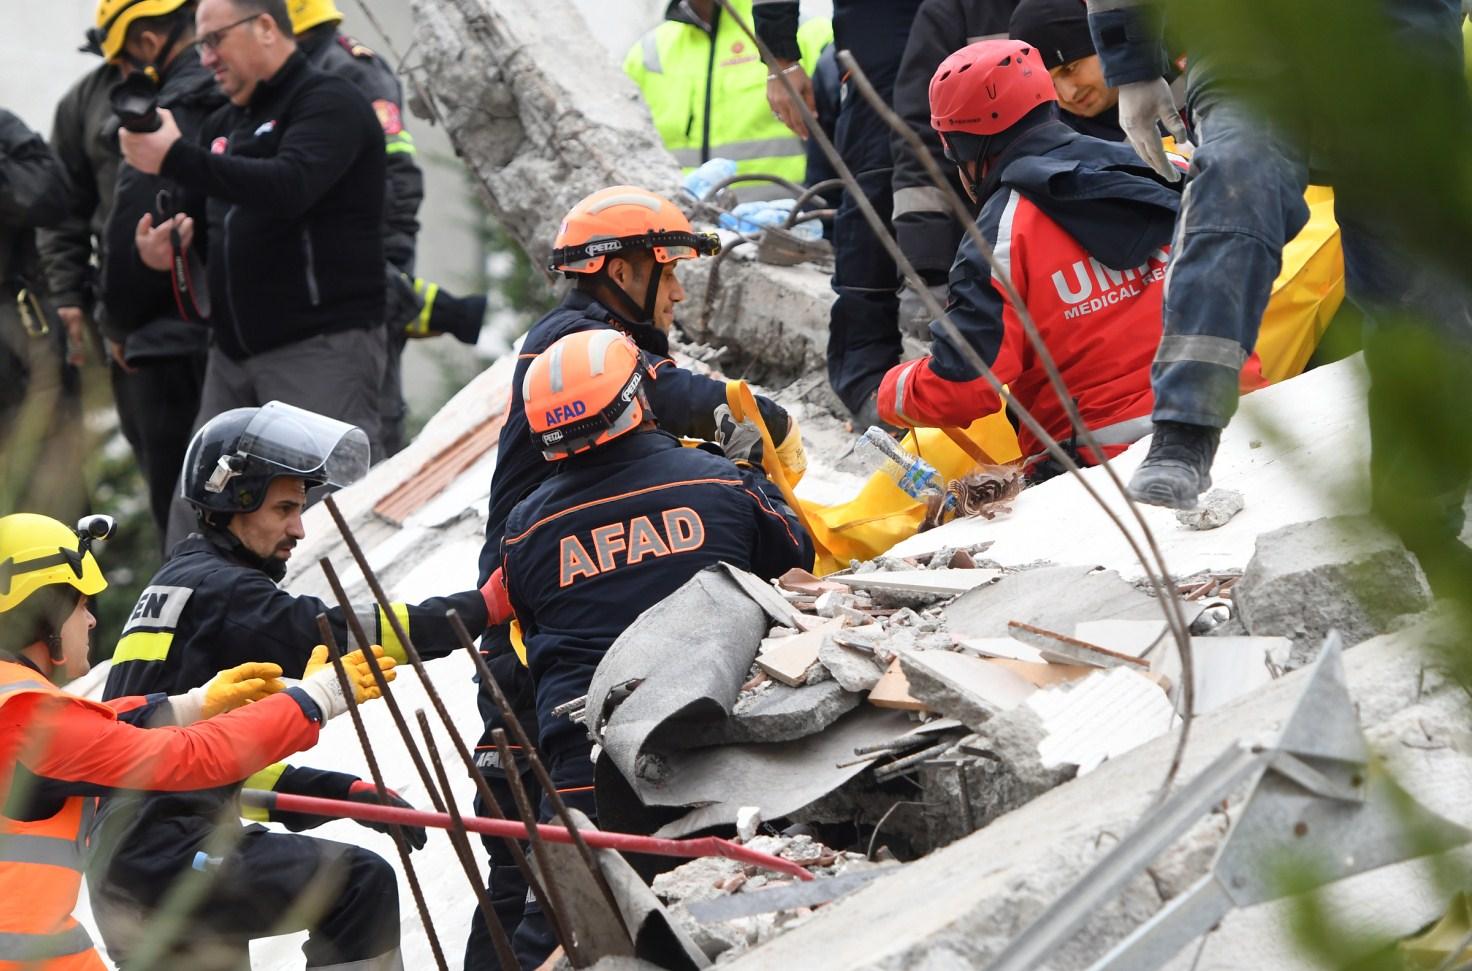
[(320, 680), (145, 151), (740, 440), (791, 454), (239, 686), (75, 324), (155, 248), (115, 350), (781, 102), (1141, 105), (367, 792)]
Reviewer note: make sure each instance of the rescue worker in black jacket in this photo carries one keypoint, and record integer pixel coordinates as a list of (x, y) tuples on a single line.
[(626, 519), (621, 246), (924, 225), (216, 597), (84, 136), (157, 335), (863, 332), (40, 411), (293, 169)]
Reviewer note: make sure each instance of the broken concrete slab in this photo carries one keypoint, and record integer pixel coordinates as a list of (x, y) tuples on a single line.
[(1103, 716), (1348, 574), (1137, 638), (960, 906), (917, 588), (781, 713), (1226, 668), (893, 691), (964, 687), (854, 669), (1056, 597), (1062, 649)]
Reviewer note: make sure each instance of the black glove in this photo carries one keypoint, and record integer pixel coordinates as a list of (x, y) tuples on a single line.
[(740, 440), (367, 792)]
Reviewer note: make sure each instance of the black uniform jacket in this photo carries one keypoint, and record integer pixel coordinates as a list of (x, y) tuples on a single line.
[(295, 187)]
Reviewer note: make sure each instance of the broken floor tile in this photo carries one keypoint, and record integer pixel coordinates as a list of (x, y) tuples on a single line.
[(1061, 648), (1137, 638), (893, 691), (1104, 715), (787, 659), (1056, 598), (964, 687)]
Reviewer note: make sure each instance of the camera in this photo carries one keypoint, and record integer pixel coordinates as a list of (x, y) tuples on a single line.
[(135, 100)]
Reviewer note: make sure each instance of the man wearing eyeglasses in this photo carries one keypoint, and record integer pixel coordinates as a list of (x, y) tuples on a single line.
[(294, 171)]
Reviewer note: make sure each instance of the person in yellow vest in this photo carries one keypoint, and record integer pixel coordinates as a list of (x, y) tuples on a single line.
[(58, 751), (705, 85)]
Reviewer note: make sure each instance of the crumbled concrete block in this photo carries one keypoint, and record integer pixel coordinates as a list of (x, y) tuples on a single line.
[(748, 818), (1055, 598), (782, 713), (960, 686), (855, 670), (1215, 509), (1347, 573)]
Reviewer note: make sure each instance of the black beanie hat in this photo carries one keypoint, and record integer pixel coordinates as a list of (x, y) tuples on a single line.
[(1059, 29)]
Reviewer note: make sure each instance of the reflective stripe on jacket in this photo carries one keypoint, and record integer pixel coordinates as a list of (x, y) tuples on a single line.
[(708, 100), (41, 865)]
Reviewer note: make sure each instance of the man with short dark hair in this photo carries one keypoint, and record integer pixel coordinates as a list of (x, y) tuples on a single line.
[(293, 170)]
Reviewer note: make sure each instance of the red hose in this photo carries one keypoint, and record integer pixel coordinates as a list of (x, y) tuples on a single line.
[(513, 829)]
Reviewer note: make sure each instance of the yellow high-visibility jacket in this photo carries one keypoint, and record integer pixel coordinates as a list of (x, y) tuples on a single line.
[(708, 95)]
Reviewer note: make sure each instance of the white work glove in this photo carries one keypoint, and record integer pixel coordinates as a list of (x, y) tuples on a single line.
[(321, 684), (914, 315), (1141, 105)]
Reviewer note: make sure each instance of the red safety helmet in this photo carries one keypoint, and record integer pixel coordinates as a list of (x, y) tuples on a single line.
[(622, 218), (984, 89), (583, 391)]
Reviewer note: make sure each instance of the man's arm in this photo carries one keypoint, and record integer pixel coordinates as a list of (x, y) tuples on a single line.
[(77, 750), (66, 247), (33, 185), (315, 150), (943, 388), (781, 542), (1127, 37), (685, 402)]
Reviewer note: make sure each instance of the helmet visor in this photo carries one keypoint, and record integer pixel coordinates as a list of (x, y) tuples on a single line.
[(305, 443)]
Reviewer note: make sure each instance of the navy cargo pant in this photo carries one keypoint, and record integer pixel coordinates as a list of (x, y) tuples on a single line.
[(1242, 205), (863, 328)]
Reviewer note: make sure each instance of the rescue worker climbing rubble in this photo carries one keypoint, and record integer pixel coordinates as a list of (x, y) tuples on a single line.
[(216, 602), (621, 246), (1083, 229), (627, 519), (59, 751)]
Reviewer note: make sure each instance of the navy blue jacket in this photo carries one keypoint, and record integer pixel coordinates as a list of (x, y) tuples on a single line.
[(684, 404), (618, 529)]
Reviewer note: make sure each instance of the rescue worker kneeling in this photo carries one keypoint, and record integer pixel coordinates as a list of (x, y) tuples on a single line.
[(59, 751), (1082, 229), (216, 599), (627, 518)]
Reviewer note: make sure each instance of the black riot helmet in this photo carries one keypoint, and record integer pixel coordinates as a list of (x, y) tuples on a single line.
[(233, 459)]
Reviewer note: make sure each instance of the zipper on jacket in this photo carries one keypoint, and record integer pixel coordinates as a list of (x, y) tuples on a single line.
[(312, 293), (230, 285)]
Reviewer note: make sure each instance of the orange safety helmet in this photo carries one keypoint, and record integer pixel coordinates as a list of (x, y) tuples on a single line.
[(583, 391), (622, 218)]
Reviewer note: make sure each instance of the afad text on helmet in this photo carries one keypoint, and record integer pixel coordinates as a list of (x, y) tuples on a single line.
[(565, 413)]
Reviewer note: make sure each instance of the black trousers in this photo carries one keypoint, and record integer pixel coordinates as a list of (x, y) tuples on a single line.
[(156, 407), (268, 884)]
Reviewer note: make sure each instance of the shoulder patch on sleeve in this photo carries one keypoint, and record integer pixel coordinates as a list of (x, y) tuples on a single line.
[(351, 45), (389, 117)]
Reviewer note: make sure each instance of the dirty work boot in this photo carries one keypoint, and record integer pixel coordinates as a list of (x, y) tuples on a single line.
[(1178, 466)]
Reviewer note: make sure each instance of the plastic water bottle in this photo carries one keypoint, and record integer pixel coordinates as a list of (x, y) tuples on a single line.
[(203, 861), (699, 183), (753, 217), (916, 477)]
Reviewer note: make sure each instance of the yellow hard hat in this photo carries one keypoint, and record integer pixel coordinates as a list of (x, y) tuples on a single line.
[(115, 16), (306, 14), (36, 551)]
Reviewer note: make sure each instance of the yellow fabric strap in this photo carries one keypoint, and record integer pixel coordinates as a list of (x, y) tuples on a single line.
[(743, 408), (265, 779), (143, 646), (392, 646), (518, 644), (419, 326)]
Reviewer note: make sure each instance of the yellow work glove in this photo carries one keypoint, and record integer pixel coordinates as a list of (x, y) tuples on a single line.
[(320, 680), (791, 453), (240, 685)]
